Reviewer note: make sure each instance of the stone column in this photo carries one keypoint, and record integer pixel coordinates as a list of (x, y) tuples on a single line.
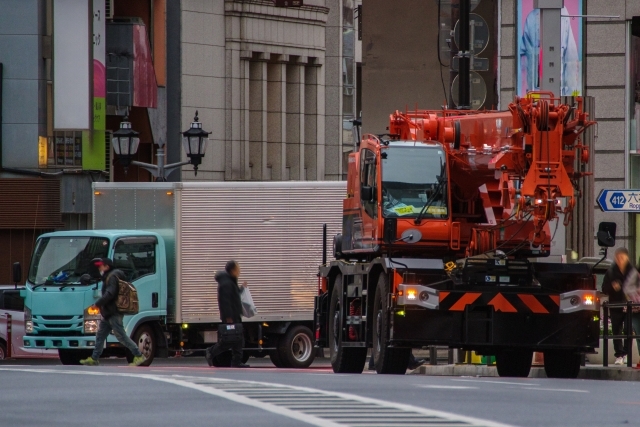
[(258, 119), (314, 121), (295, 118), (277, 117)]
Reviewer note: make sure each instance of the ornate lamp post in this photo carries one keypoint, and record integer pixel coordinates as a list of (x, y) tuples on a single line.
[(126, 141)]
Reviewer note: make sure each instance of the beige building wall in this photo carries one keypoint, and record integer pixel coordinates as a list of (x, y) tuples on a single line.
[(266, 82), (605, 70)]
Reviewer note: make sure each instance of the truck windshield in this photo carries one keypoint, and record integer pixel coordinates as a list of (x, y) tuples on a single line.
[(65, 259), (414, 178)]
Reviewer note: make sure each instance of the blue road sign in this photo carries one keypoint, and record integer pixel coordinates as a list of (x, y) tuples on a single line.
[(619, 200)]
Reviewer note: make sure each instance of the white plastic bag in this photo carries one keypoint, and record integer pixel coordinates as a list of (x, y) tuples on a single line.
[(248, 307)]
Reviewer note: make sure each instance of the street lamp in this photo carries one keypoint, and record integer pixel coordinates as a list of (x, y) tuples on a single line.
[(195, 142), (126, 141)]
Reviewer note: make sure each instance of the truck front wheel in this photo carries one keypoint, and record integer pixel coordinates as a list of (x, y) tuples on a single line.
[(73, 357), (514, 363), (387, 360), (296, 347), (344, 360), (561, 364), (145, 339)]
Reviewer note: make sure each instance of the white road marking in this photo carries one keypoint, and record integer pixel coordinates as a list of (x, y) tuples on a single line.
[(568, 390), (448, 387), (524, 384), (216, 387)]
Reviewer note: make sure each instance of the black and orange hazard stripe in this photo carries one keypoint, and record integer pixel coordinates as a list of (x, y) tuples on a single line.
[(505, 302)]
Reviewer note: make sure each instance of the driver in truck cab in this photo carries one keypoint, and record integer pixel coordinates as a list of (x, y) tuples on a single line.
[(111, 318)]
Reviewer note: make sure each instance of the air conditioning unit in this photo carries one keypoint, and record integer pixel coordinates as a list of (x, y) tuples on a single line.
[(287, 3), (108, 9)]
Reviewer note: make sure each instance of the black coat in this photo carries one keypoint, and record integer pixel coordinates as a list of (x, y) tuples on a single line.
[(110, 289), (229, 301), (614, 274)]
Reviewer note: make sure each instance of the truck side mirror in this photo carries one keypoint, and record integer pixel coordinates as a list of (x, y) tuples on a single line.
[(366, 193), (606, 234), (17, 273)]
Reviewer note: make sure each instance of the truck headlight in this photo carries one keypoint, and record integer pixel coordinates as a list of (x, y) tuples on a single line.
[(28, 321), (91, 318), (90, 326)]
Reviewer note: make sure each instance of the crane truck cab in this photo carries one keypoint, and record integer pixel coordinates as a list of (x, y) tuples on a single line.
[(444, 225)]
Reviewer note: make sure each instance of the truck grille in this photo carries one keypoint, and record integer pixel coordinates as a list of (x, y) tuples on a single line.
[(56, 317)]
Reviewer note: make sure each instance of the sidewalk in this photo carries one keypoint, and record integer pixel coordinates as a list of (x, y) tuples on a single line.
[(589, 372)]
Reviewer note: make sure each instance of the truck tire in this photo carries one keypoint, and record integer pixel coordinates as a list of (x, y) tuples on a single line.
[(514, 363), (561, 364), (387, 360), (145, 339), (344, 360), (3, 351), (296, 347), (274, 354), (73, 357)]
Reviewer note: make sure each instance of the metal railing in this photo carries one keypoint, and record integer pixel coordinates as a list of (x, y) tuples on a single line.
[(628, 336)]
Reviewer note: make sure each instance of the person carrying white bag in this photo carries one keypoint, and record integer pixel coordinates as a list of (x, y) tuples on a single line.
[(248, 307)]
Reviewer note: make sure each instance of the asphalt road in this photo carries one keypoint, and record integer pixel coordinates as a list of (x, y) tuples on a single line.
[(186, 392)]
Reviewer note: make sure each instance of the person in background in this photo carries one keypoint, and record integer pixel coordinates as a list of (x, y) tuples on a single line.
[(612, 285), (111, 317), (230, 306)]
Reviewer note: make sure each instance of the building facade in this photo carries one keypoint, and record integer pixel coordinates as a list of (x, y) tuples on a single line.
[(274, 85)]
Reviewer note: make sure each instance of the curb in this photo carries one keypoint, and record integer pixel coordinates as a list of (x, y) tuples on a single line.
[(586, 373)]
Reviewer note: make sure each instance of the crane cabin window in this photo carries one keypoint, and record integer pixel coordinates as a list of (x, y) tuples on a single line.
[(414, 182)]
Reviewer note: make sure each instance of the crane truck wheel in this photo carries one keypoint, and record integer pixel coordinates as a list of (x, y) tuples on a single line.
[(296, 347), (344, 360), (3, 351), (387, 360), (514, 363), (561, 364), (145, 339), (73, 357)]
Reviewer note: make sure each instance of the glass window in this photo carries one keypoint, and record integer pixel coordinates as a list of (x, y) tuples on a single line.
[(414, 182), (65, 259), (136, 257), (65, 149)]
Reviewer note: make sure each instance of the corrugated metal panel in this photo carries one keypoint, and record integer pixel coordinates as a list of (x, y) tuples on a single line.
[(30, 204), (274, 230)]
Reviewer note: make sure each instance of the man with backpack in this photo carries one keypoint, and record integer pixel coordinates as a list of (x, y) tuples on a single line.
[(111, 317)]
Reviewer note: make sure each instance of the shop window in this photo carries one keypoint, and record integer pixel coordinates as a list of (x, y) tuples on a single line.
[(65, 149)]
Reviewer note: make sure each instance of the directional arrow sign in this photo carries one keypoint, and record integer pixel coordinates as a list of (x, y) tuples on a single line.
[(619, 200)]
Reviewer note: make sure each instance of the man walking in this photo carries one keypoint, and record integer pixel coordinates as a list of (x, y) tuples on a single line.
[(230, 306), (111, 317), (612, 285)]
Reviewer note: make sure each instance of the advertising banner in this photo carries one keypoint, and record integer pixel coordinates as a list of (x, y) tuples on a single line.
[(529, 53), (93, 143)]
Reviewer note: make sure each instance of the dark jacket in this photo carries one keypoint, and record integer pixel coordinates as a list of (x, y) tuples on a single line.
[(110, 288), (614, 274), (229, 301)]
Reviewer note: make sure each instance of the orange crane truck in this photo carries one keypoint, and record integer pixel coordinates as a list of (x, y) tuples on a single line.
[(445, 221)]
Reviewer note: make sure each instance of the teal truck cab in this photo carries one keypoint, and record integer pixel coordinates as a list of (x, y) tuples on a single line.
[(169, 239), (57, 302)]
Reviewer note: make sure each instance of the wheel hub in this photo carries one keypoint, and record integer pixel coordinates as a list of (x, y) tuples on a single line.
[(379, 330), (336, 329), (301, 347), (144, 344)]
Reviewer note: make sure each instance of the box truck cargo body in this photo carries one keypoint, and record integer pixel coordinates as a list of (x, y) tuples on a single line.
[(170, 239)]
